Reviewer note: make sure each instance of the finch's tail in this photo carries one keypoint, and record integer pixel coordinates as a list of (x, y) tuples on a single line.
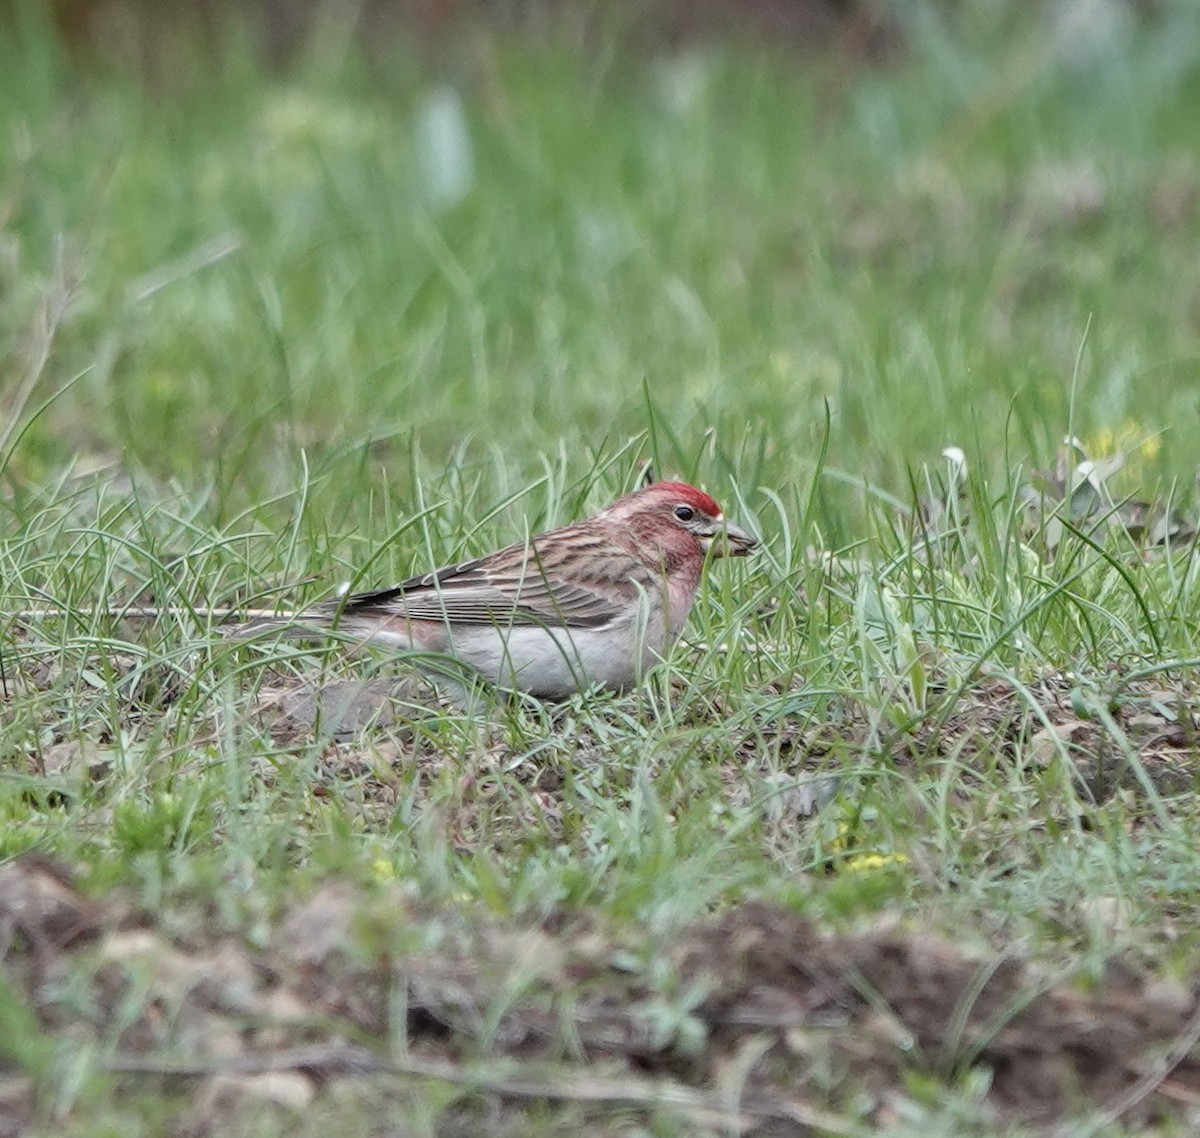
[(332, 620)]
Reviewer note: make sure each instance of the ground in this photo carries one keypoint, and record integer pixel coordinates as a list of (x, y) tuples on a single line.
[(902, 836)]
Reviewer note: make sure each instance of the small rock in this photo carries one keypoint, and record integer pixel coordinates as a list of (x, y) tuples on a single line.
[(320, 927), (1049, 742), (228, 1094), (341, 710)]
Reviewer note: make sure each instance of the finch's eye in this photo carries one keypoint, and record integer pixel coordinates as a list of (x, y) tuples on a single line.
[(684, 513)]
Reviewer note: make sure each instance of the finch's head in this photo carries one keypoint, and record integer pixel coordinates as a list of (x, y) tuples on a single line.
[(671, 507)]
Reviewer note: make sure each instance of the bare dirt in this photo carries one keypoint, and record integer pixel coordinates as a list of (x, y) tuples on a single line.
[(787, 1026)]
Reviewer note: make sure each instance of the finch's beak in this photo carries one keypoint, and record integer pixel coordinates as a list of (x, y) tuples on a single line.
[(732, 541)]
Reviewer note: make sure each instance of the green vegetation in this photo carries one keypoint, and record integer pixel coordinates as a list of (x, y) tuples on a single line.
[(266, 332)]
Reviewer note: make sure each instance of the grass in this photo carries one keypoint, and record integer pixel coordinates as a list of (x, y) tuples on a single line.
[(267, 332)]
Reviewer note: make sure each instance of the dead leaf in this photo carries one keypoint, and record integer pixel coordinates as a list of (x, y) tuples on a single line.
[(1050, 742)]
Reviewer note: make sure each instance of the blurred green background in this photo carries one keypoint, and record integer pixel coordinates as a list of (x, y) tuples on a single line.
[(373, 237)]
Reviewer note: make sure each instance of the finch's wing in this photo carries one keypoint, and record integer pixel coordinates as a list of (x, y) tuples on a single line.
[(584, 585)]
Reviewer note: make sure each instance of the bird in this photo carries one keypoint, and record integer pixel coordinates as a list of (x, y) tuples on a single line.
[(594, 604)]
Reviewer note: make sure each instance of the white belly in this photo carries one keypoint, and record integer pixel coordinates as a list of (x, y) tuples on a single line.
[(551, 663)]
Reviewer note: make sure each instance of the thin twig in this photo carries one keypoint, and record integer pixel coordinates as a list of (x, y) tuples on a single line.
[(505, 1080), (152, 612)]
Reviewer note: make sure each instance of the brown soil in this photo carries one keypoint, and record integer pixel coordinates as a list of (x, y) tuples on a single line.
[(786, 1026)]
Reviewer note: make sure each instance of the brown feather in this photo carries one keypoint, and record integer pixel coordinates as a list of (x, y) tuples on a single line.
[(520, 585)]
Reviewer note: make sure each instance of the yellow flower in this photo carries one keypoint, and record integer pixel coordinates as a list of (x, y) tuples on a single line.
[(844, 834), (382, 869), (1102, 443), (1130, 437), (864, 863)]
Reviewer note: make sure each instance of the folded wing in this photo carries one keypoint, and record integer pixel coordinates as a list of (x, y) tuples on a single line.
[(521, 585)]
